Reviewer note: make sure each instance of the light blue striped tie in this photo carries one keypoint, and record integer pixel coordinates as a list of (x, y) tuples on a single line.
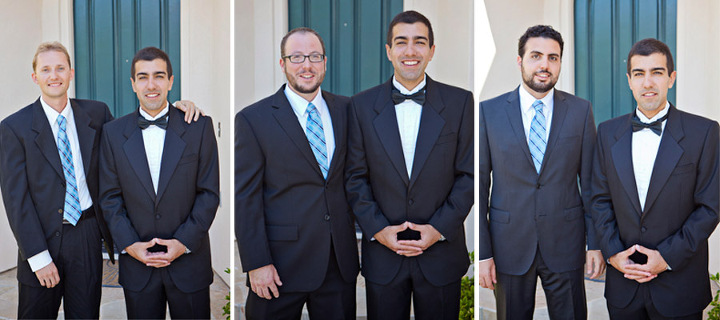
[(316, 137), (537, 135), (71, 209)]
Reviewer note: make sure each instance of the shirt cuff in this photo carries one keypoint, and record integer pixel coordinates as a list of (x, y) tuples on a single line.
[(483, 260), (40, 260)]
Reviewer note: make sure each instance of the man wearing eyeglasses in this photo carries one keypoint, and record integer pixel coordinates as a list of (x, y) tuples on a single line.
[(293, 224)]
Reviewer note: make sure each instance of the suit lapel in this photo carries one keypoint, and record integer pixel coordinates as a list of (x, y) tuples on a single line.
[(45, 139), (135, 152), (337, 124), (512, 108), (560, 109), (86, 134), (172, 150), (431, 124), (668, 155), (285, 116), (386, 127), (622, 158)]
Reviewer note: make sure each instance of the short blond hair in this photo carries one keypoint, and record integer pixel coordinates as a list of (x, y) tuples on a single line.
[(50, 46)]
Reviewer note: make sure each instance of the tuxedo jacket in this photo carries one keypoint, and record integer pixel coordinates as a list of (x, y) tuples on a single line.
[(33, 182), (439, 192), (184, 206), (286, 213), (526, 211), (681, 209)]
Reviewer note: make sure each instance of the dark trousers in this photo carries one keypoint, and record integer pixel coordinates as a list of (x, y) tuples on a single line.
[(642, 308), (565, 293), (150, 303), (335, 299), (392, 300), (79, 265)]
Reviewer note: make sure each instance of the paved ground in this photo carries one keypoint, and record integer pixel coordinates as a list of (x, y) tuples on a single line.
[(112, 303)]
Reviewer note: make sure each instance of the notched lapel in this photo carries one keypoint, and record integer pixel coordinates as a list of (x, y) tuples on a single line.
[(285, 116), (431, 124), (386, 127), (512, 108), (135, 152), (560, 110), (86, 134), (45, 139), (622, 158), (172, 150), (338, 126), (668, 155)]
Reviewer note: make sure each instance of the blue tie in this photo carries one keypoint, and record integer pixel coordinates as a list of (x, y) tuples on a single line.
[(537, 135), (316, 137), (71, 209)]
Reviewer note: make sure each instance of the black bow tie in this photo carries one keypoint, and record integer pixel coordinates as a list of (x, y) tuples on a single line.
[(655, 126), (418, 97), (161, 123)]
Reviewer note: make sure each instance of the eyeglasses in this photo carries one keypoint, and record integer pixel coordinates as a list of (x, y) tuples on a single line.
[(299, 58)]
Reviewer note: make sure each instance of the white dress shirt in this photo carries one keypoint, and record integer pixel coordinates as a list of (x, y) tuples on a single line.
[(528, 112), (408, 115), (299, 106), (645, 144), (42, 259), (154, 141)]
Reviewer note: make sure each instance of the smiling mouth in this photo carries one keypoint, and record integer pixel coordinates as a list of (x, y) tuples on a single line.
[(54, 84), (152, 95), (307, 76), (649, 94), (410, 63), (543, 75)]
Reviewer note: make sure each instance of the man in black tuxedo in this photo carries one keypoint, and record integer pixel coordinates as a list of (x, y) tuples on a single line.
[(159, 192), (536, 144), (293, 225), (655, 197), (409, 179), (52, 205)]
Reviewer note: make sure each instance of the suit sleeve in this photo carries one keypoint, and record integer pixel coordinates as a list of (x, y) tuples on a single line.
[(111, 197), (449, 218), (601, 206), (678, 248), (586, 164), (357, 184), (21, 212), (207, 192), (484, 169), (252, 240)]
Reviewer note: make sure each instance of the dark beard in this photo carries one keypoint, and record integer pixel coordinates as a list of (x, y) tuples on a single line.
[(538, 87)]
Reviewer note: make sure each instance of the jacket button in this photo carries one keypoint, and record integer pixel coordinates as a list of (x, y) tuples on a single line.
[(60, 211), (411, 201), (57, 233), (327, 217), (157, 216), (539, 186), (643, 229)]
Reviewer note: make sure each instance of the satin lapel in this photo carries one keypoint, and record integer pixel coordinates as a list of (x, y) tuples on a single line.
[(134, 148), (431, 124), (338, 126), (45, 139), (668, 155), (285, 116), (86, 134), (386, 127), (515, 117), (622, 158), (172, 150), (560, 109)]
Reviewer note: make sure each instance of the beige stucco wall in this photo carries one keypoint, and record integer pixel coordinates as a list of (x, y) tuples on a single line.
[(205, 38)]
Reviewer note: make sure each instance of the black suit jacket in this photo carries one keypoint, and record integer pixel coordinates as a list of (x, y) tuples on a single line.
[(32, 179), (681, 208), (286, 213), (526, 210), (186, 200), (439, 192)]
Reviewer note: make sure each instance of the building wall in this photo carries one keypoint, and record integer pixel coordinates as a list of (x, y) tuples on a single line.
[(205, 38)]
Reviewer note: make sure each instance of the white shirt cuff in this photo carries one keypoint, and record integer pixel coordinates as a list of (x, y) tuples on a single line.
[(39, 261), (483, 260)]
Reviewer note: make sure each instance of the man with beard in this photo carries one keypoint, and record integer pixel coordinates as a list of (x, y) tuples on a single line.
[(293, 224), (655, 197), (410, 180), (535, 142)]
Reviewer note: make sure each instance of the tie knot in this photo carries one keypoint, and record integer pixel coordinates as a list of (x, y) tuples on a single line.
[(61, 121), (311, 108), (537, 105)]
